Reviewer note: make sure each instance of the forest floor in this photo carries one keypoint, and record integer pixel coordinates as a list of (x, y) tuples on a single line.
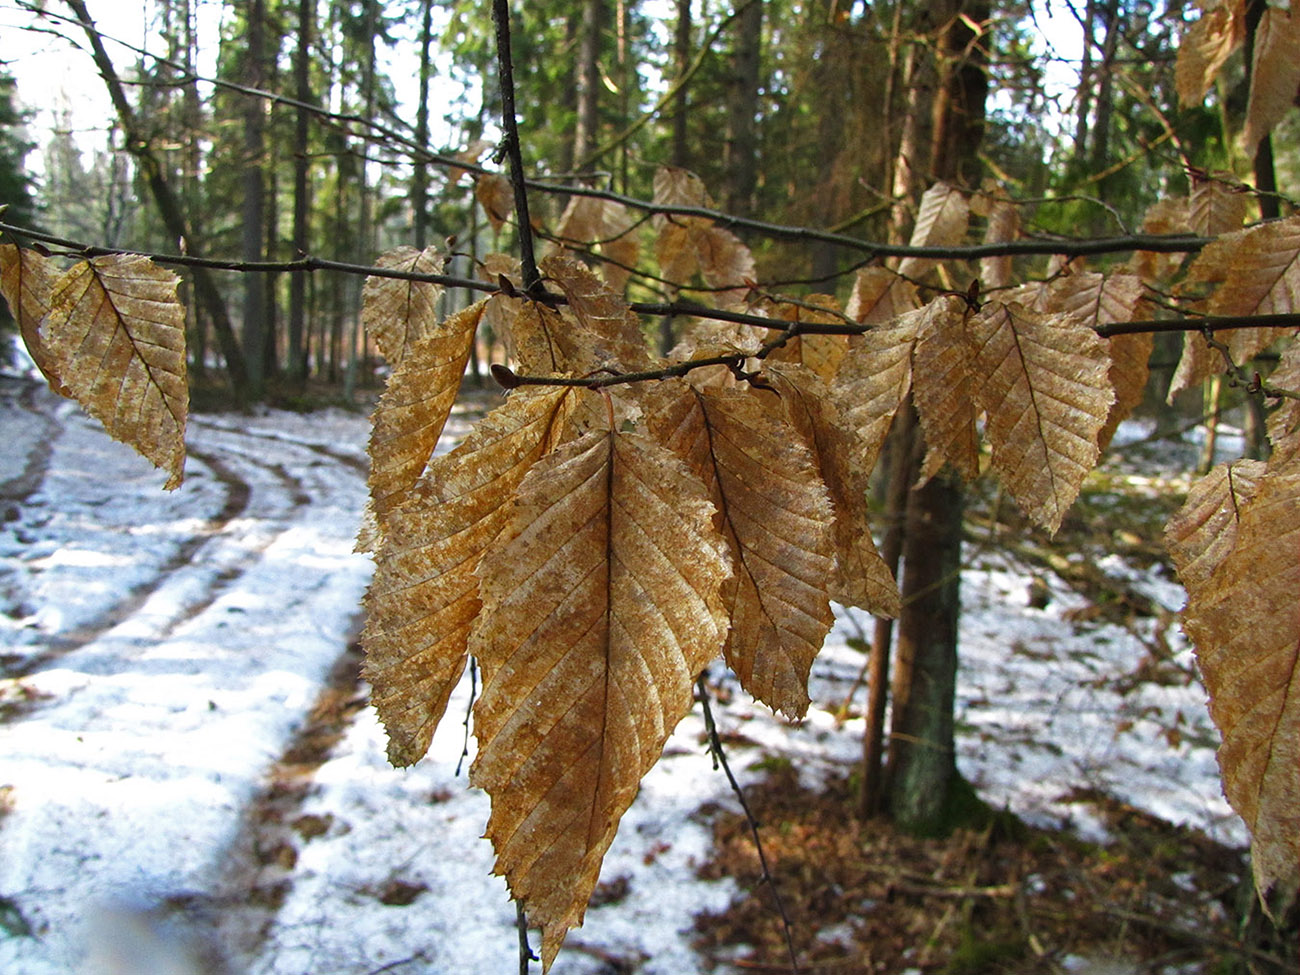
[(191, 780)]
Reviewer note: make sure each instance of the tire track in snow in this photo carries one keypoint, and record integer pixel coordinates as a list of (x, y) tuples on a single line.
[(29, 396)]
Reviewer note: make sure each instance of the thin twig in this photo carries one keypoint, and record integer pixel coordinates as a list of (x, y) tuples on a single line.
[(720, 760), (510, 145), (525, 952), (469, 714)]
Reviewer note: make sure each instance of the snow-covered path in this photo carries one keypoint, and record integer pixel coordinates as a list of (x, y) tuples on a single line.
[(187, 767)]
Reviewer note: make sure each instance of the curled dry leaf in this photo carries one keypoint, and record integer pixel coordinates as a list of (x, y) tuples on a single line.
[(1042, 380), (26, 280), (414, 408), (861, 576), (604, 320), (1244, 618), (115, 335), (879, 296), (399, 313), (497, 197), (777, 518), (601, 605), (1284, 421), (608, 226), (1275, 74), (424, 596), (1206, 46), (820, 353), (1003, 226)]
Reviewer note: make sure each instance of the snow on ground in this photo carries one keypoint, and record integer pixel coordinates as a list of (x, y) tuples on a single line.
[(161, 652)]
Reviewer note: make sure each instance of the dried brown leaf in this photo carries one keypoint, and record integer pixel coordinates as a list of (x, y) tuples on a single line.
[(861, 576), (604, 318), (944, 390), (1218, 205), (26, 281), (820, 353), (942, 222), (1284, 422), (1203, 531), (601, 605), (1275, 75), (608, 226), (777, 517), (414, 408), (1205, 47), (497, 197), (424, 595), (1003, 226), (115, 334), (1043, 381), (873, 380), (1245, 622), (725, 263), (399, 313), (879, 295)]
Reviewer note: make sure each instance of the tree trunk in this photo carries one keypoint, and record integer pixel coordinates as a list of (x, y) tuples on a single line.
[(420, 178), (681, 101), (740, 156), (253, 209), (169, 206), (301, 191), (594, 15)]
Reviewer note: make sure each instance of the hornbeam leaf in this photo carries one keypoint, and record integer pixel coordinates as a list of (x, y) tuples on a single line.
[(1244, 619), (874, 379), (1003, 225), (26, 281), (1042, 380), (942, 222), (776, 515), (607, 225), (424, 596), (879, 296), (861, 576), (115, 334), (820, 353), (1218, 205), (1205, 47), (1284, 422), (497, 197), (1203, 531), (601, 605), (415, 406), (399, 313), (610, 331), (1094, 299), (944, 390), (725, 262), (1275, 74)]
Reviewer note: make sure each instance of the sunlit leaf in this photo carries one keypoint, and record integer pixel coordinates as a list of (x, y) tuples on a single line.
[(399, 313), (26, 281), (415, 406), (1205, 47), (1244, 619), (1203, 531), (607, 328), (1042, 380), (115, 334), (1284, 421), (942, 222), (497, 197), (944, 389), (1275, 74), (601, 605), (820, 353), (424, 596), (879, 295)]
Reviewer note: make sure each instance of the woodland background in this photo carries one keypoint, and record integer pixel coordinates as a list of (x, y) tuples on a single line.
[(833, 117)]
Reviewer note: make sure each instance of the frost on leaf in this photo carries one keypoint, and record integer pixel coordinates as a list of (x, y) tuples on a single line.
[(424, 596), (1244, 618), (861, 576), (1203, 531), (1042, 380), (497, 197), (942, 222), (944, 390), (415, 406), (1205, 47), (776, 515), (601, 605), (1275, 74), (398, 313), (115, 334), (26, 280)]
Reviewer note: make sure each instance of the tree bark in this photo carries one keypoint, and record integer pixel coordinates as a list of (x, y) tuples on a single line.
[(253, 209), (301, 191), (741, 153), (594, 15), (681, 100), (169, 206), (420, 178)]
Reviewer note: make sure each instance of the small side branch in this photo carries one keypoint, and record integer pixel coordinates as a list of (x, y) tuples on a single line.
[(510, 124), (720, 760)]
